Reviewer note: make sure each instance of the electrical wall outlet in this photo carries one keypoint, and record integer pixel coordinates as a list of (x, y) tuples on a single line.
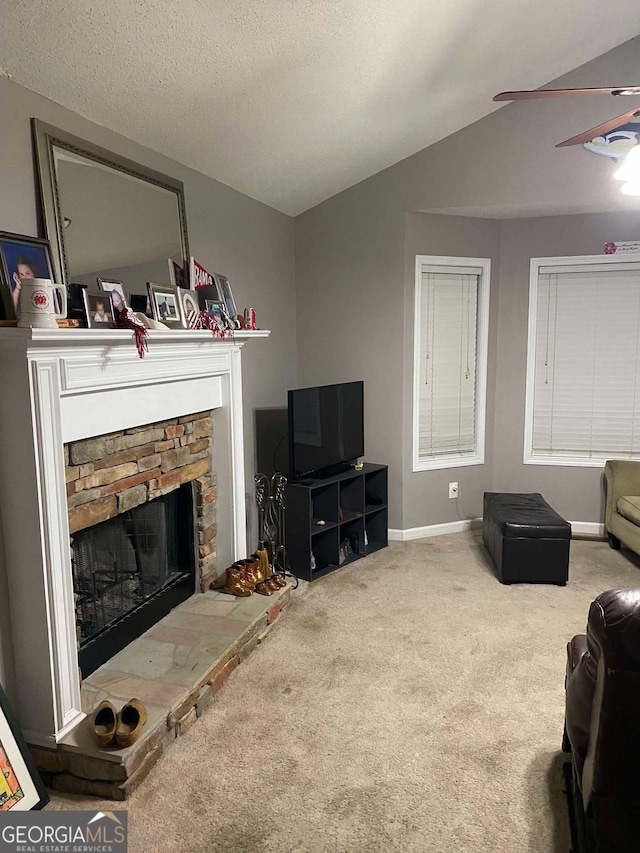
[(453, 491)]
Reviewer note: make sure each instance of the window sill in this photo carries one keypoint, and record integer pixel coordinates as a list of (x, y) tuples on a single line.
[(569, 461), (447, 462)]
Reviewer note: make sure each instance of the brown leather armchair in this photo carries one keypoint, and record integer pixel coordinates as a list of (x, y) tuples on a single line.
[(602, 726)]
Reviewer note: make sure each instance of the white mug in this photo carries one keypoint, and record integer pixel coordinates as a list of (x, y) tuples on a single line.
[(37, 303)]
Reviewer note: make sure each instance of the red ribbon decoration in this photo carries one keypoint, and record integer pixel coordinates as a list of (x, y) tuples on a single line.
[(204, 320), (126, 319)]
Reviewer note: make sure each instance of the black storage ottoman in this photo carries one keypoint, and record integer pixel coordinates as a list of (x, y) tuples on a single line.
[(527, 539)]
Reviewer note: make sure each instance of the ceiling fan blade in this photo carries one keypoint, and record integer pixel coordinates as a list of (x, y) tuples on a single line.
[(601, 129), (555, 93)]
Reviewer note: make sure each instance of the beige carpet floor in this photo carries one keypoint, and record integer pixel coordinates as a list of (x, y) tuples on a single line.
[(408, 702)]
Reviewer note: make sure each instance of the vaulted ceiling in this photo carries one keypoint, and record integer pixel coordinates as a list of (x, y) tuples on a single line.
[(292, 101)]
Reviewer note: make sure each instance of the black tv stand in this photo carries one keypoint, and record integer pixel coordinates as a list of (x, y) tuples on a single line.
[(324, 513), (326, 473)]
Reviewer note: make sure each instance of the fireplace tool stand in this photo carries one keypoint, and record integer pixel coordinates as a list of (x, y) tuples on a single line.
[(270, 498)]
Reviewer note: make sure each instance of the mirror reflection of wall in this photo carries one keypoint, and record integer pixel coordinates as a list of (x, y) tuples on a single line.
[(106, 216), (134, 278), (115, 225)]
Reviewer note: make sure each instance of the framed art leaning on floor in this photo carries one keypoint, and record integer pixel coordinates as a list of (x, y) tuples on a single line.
[(21, 788)]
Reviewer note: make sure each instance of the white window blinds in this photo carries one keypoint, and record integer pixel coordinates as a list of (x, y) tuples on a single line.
[(587, 358), (446, 356)]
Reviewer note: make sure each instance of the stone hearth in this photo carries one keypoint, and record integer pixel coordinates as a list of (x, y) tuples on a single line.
[(175, 668)]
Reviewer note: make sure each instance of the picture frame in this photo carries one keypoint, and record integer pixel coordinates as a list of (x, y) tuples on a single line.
[(176, 274), (139, 302), (21, 788), (226, 294), (207, 293), (165, 305), (98, 306), (217, 310), (117, 291), (188, 302), (21, 257)]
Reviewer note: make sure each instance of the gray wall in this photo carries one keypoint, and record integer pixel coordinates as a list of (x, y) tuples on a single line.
[(349, 257), (228, 232), (507, 165), (134, 278), (354, 273), (577, 493), (425, 494)]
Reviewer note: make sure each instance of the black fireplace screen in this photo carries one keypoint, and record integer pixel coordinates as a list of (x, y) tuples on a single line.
[(129, 571)]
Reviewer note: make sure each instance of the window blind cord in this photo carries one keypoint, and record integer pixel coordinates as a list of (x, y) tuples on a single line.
[(546, 344), (431, 320), (596, 336), (467, 372), (635, 382), (460, 357)]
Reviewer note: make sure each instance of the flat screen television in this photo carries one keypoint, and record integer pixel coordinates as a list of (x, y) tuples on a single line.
[(326, 429)]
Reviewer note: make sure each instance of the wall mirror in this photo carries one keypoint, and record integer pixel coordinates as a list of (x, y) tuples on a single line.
[(106, 216)]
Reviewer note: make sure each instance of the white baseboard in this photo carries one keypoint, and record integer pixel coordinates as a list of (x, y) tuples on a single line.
[(587, 528), (433, 530)]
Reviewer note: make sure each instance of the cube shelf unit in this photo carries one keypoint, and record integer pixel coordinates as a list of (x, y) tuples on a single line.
[(324, 513)]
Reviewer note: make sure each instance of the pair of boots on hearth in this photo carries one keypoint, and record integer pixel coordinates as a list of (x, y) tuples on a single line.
[(252, 575)]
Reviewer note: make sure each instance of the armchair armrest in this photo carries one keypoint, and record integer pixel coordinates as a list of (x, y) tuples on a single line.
[(576, 649), (622, 477)]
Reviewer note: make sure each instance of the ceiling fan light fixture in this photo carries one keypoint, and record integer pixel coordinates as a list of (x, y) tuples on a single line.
[(630, 169), (632, 187)]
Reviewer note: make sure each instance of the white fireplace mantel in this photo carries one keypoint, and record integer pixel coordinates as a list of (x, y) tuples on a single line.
[(67, 384)]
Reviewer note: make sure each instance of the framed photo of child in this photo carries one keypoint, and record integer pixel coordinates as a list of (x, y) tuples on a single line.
[(21, 257), (218, 312), (189, 300), (99, 310)]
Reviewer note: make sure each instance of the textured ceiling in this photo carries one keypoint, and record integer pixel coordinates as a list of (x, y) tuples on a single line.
[(292, 101)]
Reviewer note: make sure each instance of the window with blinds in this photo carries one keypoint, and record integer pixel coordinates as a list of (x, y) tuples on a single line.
[(450, 343), (583, 381)]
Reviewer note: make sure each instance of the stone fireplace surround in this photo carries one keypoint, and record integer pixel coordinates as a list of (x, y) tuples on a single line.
[(113, 473), (66, 385)]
